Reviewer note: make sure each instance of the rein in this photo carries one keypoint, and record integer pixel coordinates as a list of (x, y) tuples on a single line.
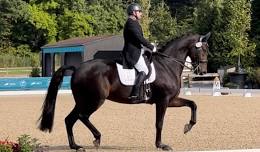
[(196, 64), (173, 59)]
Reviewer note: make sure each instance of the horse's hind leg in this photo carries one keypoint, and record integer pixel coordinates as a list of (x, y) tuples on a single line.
[(85, 119), (70, 121), (180, 102)]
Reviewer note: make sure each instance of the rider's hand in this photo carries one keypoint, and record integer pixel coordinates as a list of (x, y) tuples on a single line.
[(154, 47)]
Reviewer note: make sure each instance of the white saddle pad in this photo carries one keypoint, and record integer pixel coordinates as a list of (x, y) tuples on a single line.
[(127, 76)]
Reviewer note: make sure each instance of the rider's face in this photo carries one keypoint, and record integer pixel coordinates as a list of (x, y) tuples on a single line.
[(138, 14)]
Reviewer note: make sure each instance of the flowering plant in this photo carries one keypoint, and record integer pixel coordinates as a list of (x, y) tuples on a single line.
[(24, 144), (9, 146)]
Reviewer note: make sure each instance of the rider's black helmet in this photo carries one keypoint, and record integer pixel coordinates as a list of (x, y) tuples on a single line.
[(133, 7)]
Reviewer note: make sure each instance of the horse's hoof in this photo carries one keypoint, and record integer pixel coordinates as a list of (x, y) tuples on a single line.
[(80, 149), (76, 147), (96, 143), (165, 147), (187, 128)]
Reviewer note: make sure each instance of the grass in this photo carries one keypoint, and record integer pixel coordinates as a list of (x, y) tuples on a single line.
[(18, 71)]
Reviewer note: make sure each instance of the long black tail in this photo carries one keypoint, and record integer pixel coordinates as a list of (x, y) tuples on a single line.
[(48, 108)]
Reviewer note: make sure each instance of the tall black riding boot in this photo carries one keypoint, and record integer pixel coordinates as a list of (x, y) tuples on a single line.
[(136, 88)]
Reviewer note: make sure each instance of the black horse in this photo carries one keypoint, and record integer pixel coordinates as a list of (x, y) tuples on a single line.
[(97, 80)]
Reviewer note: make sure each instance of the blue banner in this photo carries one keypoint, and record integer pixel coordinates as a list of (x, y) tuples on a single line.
[(32, 83)]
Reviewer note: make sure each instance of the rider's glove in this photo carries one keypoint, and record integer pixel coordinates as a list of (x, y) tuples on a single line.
[(154, 47)]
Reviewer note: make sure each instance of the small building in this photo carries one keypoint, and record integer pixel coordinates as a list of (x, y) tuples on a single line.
[(76, 50)]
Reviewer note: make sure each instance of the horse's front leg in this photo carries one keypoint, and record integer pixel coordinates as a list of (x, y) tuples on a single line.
[(180, 102), (160, 113)]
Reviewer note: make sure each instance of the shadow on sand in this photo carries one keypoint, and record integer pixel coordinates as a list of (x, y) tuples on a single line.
[(63, 148)]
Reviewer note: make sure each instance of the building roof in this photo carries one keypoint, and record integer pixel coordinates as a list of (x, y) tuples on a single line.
[(76, 41)]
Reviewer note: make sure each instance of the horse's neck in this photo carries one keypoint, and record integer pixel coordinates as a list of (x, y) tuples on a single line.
[(178, 51), (171, 65), (179, 54)]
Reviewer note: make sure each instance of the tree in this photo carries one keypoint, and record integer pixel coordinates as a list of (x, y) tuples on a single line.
[(182, 11), (209, 18), (11, 11), (145, 22), (43, 22), (163, 27), (75, 24), (237, 21), (255, 31), (229, 22), (37, 28), (109, 16)]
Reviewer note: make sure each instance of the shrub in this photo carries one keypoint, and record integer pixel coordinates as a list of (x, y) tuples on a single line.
[(231, 85), (35, 72), (5, 148), (18, 57), (254, 76), (25, 144), (257, 75), (8, 146)]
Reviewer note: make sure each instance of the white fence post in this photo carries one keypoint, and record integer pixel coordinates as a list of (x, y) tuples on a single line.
[(216, 87)]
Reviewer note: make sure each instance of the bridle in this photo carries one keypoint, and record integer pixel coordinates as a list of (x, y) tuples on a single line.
[(198, 47), (195, 64)]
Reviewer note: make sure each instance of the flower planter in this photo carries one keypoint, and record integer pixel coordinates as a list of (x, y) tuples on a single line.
[(238, 78)]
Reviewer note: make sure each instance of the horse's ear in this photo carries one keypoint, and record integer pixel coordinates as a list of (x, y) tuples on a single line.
[(204, 38)]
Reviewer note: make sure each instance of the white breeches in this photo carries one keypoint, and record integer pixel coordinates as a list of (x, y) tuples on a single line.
[(141, 66)]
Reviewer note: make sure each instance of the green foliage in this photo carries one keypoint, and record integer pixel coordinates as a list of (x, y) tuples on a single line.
[(163, 26), (231, 85), (18, 57), (75, 24), (11, 11), (6, 148), (255, 31), (182, 11), (35, 60), (206, 14), (238, 24), (22, 51), (25, 26), (27, 143), (208, 17), (36, 72), (43, 22), (256, 18), (254, 75), (257, 75), (146, 5), (109, 16), (48, 5), (229, 22), (257, 51), (73, 20), (8, 60)]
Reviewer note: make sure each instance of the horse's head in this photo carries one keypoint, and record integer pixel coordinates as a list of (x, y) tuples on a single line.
[(194, 46), (199, 54)]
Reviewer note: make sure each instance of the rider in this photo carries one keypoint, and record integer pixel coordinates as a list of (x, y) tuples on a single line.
[(132, 51)]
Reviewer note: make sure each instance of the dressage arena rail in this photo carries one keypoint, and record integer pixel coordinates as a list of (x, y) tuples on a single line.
[(39, 85), (30, 83), (184, 91)]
